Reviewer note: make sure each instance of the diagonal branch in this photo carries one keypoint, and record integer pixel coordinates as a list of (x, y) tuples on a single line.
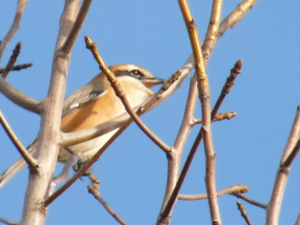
[(274, 205), (77, 26), (243, 212), (32, 163), (251, 201), (9, 66), (120, 93), (97, 196), (14, 27)]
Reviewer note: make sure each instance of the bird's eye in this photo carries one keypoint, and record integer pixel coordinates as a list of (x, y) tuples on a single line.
[(137, 74)]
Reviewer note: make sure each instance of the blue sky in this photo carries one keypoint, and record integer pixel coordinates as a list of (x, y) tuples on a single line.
[(132, 172)]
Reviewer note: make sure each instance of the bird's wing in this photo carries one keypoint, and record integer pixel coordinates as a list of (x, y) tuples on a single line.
[(81, 97)]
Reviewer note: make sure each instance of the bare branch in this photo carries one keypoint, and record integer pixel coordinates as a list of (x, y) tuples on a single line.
[(49, 140), (8, 222), (32, 163), (243, 212), (218, 117), (274, 205), (97, 196), (18, 67), (298, 220), (235, 16), (234, 72), (9, 66), (289, 160), (225, 191), (120, 93), (251, 201), (14, 27), (19, 98), (77, 26), (211, 36)]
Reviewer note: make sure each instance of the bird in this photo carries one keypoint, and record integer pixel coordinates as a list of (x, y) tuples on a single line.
[(93, 104)]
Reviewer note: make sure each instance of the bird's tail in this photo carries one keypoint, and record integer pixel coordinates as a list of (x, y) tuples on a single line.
[(8, 174)]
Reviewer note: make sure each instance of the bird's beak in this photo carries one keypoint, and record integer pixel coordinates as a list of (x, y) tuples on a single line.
[(150, 82)]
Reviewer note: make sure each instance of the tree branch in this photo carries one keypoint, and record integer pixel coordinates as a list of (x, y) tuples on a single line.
[(243, 212), (274, 205), (13, 58), (225, 191), (14, 27), (97, 196), (32, 163)]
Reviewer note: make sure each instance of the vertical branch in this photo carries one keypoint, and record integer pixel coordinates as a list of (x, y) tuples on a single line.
[(174, 156), (14, 27), (212, 30), (274, 205), (49, 136), (204, 95)]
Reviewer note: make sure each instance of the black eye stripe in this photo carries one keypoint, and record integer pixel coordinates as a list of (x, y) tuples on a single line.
[(137, 74)]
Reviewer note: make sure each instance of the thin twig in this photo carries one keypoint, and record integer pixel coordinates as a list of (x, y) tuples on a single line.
[(9, 66), (211, 36), (251, 201), (120, 93), (32, 163), (97, 196), (243, 212), (232, 189), (18, 67), (76, 27), (14, 27), (8, 222), (218, 117), (234, 72), (235, 16), (298, 220)]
